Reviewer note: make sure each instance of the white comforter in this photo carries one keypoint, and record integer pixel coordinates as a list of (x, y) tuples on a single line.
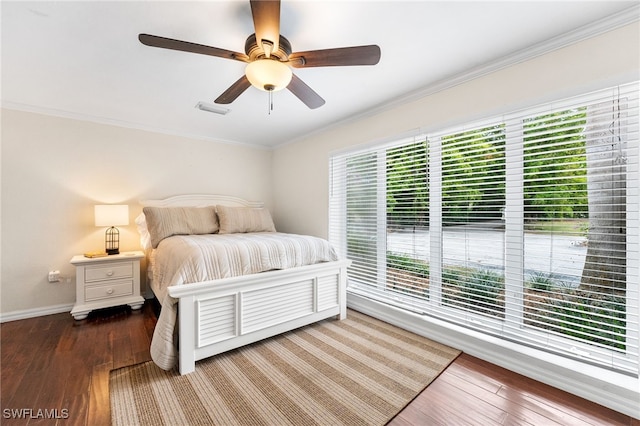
[(188, 259)]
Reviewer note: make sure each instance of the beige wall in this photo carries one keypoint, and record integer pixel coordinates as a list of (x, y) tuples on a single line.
[(300, 170), (55, 169)]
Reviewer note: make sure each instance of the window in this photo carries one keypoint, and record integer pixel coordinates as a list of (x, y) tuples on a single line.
[(473, 200), (523, 227)]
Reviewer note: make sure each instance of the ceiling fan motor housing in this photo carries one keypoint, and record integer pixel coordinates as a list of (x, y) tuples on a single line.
[(254, 51)]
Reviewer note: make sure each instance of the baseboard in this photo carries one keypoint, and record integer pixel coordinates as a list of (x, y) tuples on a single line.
[(610, 389), (35, 312)]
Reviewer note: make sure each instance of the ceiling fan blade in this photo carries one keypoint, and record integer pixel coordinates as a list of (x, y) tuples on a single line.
[(342, 56), (266, 21), (185, 46), (235, 90), (305, 93)]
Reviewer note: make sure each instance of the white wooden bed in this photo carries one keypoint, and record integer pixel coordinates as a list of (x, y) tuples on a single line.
[(219, 315)]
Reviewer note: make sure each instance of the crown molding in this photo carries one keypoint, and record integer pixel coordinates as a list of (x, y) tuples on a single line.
[(586, 32), (17, 106)]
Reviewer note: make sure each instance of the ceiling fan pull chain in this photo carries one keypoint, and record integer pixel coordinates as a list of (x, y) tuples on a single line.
[(270, 101)]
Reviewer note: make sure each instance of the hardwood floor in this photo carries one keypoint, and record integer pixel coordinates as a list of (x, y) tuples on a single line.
[(55, 362), (60, 365), (475, 392)]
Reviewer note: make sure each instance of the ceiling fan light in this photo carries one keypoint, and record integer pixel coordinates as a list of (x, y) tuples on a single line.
[(268, 74)]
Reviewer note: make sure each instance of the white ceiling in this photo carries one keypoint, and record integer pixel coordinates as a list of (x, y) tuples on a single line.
[(83, 59)]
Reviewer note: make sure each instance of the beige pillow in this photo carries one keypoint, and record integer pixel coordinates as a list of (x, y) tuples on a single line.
[(244, 219), (163, 222)]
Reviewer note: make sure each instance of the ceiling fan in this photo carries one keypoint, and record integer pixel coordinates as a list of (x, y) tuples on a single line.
[(269, 57)]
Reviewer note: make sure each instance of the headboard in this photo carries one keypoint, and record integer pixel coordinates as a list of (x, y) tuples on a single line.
[(201, 200)]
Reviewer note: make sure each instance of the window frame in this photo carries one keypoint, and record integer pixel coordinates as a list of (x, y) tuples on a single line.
[(511, 327)]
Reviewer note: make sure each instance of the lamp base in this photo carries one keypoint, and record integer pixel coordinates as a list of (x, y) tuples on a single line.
[(112, 241)]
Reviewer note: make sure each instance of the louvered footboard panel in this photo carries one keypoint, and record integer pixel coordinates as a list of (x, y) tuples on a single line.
[(216, 319), (328, 292), (263, 308)]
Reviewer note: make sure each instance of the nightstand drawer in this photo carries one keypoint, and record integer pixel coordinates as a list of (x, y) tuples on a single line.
[(116, 289), (108, 272)]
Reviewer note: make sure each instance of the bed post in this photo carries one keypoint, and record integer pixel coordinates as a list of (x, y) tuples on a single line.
[(186, 349), (342, 292)]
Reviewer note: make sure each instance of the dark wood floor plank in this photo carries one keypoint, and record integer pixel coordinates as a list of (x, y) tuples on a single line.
[(560, 411), (532, 393), (77, 378), (25, 392), (513, 404), (65, 364), (46, 399), (474, 394), (400, 419), (453, 407), (122, 354), (99, 409), (140, 339), (76, 407), (468, 407), (512, 420), (469, 374), (539, 393), (12, 377), (430, 413)]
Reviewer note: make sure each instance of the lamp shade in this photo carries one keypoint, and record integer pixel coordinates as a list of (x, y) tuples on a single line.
[(268, 74), (112, 215)]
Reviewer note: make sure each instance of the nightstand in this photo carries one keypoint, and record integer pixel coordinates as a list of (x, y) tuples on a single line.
[(103, 282)]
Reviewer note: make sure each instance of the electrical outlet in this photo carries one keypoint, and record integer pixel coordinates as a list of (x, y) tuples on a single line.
[(54, 276)]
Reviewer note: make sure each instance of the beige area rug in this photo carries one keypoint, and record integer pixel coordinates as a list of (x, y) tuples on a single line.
[(359, 371)]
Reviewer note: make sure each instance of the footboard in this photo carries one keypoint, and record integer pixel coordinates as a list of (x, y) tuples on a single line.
[(217, 316)]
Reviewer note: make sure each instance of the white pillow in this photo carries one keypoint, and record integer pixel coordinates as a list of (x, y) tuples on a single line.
[(145, 238)]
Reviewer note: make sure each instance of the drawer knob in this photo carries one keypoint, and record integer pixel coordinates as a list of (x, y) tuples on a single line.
[(109, 273), (110, 291)]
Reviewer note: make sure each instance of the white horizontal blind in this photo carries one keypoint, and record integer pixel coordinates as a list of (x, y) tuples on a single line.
[(577, 284), (379, 219), (529, 230), (473, 199), (407, 217)]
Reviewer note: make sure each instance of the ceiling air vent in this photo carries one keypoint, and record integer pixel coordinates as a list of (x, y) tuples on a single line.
[(203, 106)]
